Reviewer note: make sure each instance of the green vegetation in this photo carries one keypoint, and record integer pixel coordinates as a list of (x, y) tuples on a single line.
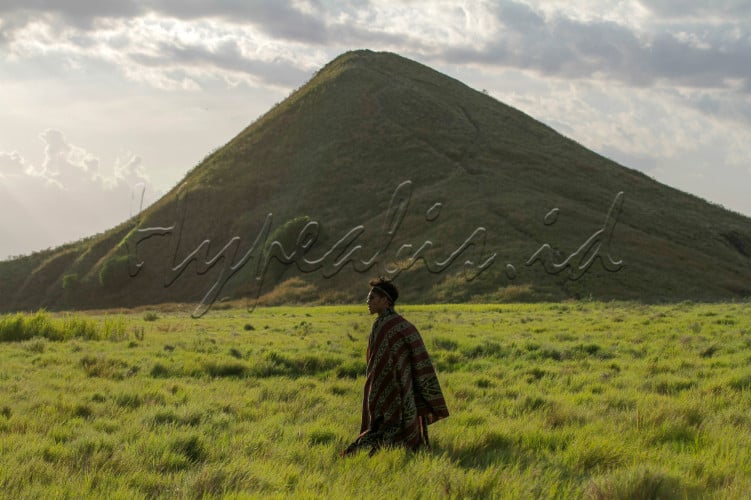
[(114, 269), (41, 326), (575, 399)]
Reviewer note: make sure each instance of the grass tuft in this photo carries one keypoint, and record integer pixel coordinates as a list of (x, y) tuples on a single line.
[(639, 482), (100, 366)]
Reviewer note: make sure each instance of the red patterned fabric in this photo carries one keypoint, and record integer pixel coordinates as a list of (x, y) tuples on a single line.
[(402, 394)]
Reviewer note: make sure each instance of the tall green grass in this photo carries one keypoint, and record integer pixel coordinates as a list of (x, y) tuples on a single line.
[(571, 400), (20, 326)]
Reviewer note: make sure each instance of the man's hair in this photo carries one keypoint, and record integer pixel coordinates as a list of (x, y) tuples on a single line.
[(385, 288)]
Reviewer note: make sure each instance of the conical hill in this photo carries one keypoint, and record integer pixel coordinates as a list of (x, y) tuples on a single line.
[(382, 166)]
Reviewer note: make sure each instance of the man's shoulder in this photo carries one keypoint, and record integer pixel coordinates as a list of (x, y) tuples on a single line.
[(397, 323)]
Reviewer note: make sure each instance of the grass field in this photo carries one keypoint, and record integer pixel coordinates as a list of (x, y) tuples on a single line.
[(565, 400)]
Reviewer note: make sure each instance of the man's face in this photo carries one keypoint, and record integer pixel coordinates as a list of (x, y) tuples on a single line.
[(376, 303)]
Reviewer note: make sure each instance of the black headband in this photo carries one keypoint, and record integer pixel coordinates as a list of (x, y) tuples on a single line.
[(388, 296)]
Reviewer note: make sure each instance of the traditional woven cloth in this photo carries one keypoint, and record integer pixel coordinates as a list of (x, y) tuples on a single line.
[(402, 395)]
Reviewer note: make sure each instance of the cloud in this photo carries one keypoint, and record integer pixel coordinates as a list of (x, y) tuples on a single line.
[(78, 13), (702, 55), (313, 23), (714, 60), (64, 164), (68, 197), (11, 164), (699, 9), (730, 107), (226, 56), (277, 19), (679, 44), (168, 53), (72, 168)]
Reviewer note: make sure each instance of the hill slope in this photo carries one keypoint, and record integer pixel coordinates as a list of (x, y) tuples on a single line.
[(378, 153)]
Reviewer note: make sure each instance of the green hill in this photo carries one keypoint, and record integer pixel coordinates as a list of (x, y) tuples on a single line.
[(374, 154)]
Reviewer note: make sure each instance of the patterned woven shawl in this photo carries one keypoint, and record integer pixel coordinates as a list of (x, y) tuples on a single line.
[(402, 394)]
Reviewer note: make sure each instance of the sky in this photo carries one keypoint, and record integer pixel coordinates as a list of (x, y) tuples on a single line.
[(107, 104)]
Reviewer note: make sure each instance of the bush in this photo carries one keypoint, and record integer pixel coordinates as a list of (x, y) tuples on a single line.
[(80, 328), (150, 316), (70, 281), (292, 291), (20, 327), (40, 325), (114, 271), (12, 328), (114, 329)]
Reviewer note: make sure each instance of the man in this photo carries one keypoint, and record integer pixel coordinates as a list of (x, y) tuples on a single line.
[(402, 395)]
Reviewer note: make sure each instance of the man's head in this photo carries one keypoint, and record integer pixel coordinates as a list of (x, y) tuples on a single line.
[(383, 294)]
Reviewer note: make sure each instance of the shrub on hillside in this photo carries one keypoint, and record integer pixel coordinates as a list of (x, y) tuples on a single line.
[(114, 271), (70, 281), (292, 291)]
